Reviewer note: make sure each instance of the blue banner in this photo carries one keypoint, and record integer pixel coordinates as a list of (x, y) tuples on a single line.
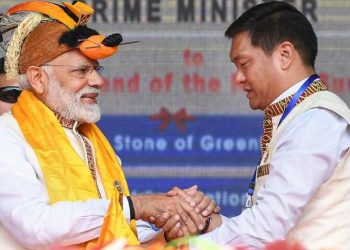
[(215, 152), (204, 141)]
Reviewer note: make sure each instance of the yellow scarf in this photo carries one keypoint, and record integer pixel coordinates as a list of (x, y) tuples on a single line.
[(67, 177)]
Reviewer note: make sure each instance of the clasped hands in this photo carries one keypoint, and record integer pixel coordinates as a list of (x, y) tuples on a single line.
[(179, 212)]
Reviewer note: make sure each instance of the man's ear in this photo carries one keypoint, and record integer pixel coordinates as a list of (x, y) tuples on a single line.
[(37, 78), (286, 53)]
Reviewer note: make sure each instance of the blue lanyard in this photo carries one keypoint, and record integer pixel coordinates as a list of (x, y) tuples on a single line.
[(289, 108), (297, 95)]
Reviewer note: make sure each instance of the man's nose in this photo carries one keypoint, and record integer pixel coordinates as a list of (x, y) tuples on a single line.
[(95, 80), (240, 77)]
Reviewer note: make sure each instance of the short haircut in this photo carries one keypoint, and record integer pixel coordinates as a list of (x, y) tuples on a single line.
[(271, 23)]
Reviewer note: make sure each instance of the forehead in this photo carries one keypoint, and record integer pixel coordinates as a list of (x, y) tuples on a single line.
[(240, 46)]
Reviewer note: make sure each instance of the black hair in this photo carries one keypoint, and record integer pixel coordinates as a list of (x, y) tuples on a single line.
[(274, 22)]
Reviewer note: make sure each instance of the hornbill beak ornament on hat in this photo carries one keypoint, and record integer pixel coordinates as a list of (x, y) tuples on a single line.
[(75, 16)]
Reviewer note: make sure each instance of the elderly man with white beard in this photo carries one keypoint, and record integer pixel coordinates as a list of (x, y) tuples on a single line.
[(60, 180)]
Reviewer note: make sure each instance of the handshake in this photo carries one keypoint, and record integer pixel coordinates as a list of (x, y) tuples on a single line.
[(179, 212)]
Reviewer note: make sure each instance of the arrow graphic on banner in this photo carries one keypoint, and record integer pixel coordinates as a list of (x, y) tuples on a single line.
[(180, 118)]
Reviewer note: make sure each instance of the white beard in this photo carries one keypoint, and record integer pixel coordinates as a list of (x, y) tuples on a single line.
[(69, 105)]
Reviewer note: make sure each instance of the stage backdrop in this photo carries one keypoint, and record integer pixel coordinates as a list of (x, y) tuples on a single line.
[(171, 107)]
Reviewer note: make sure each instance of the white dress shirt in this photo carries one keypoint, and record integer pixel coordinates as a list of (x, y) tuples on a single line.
[(24, 203), (306, 156)]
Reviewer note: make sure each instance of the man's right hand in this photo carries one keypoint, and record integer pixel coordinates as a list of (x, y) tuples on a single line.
[(148, 206), (171, 224), (202, 203)]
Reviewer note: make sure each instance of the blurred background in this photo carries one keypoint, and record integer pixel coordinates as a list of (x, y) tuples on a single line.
[(171, 107)]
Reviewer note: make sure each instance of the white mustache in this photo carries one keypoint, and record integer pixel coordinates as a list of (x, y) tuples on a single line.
[(88, 90)]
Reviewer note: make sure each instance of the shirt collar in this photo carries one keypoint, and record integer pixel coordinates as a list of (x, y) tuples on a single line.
[(66, 123)]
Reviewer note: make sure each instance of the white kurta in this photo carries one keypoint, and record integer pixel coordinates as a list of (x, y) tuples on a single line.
[(24, 209), (306, 156)]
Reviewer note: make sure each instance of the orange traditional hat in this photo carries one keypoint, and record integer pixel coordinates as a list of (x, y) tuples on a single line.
[(51, 30)]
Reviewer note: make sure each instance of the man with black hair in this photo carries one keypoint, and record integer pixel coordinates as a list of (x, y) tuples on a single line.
[(300, 189)]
